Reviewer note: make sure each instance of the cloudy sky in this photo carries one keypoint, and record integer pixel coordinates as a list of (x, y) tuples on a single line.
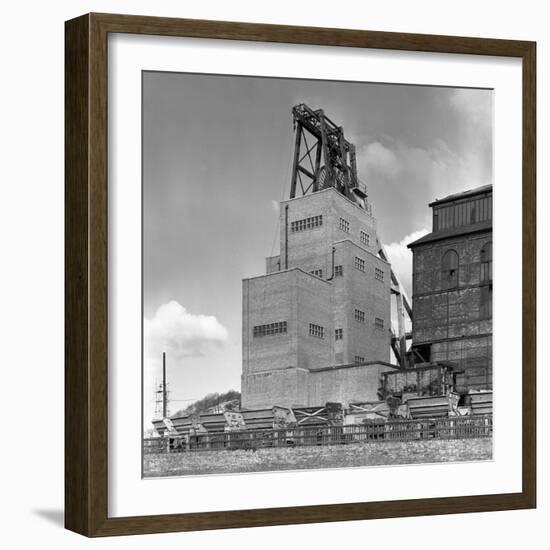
[(216, 161)]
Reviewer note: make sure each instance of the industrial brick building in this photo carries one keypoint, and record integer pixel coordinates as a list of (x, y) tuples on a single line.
[(316, 326), (452, 287)]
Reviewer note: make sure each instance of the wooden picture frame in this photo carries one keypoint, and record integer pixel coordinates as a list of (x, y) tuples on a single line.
[(86, 294)]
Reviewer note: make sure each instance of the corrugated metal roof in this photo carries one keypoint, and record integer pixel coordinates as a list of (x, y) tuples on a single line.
[(453, 232), (463, 194)]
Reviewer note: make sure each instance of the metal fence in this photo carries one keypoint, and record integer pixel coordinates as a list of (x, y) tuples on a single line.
[(465, 427)]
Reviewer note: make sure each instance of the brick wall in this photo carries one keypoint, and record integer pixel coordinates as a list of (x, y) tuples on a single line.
[(453, 321), (345, 385), (299, 298)]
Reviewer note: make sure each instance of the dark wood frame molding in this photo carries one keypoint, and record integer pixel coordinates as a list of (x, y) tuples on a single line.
[(86, 274)]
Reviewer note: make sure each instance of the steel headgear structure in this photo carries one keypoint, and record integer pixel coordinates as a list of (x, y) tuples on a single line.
[(323, 157)]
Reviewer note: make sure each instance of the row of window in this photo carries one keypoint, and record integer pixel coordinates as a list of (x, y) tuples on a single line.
[(360, 317), (314, 330), (317, 221), (359, 264), (306, 223), (344, 225), (450, 268), (270, 329)]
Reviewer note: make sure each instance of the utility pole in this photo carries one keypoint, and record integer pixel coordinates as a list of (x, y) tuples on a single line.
[(164, 390)]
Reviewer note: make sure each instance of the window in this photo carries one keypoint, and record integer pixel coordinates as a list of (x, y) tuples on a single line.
[(338, 271), (316, 330), (365, 238), (344, 225), (269, 330), (486, 262), (359, 359), (379, 323), (359, 315), (317, 273), (306, 223), (449, 270), (339, 334), (378, 274), (359, 263)]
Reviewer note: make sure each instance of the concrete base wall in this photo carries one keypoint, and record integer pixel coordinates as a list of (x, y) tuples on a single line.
[(286, 388), (298, 387), (345, 385)]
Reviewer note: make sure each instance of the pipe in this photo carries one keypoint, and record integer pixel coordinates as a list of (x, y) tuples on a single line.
[(286, 236), (332, 274)]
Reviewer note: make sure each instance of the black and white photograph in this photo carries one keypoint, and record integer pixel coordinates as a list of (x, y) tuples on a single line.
[(317, 274), (258, 291)]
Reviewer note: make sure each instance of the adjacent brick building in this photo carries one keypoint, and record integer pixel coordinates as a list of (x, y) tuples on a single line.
[(452, 287), (316, 326)]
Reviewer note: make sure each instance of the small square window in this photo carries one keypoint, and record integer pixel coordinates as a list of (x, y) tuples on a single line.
[(344, 225), (316, 330)]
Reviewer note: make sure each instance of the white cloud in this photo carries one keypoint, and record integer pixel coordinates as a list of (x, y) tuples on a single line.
[(476, 108), (378, 158), (182, 334), (400, 258), (421, 173)]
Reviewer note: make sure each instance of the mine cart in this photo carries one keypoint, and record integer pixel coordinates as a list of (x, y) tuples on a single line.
[(427, 379)]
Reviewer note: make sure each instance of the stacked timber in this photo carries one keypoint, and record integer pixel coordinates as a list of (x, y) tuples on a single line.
[(182, 424), (160, 427), (212, 422), (259, 419)]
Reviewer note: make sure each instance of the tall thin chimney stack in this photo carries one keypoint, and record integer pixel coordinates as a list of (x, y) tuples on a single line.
[(164, 391)]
